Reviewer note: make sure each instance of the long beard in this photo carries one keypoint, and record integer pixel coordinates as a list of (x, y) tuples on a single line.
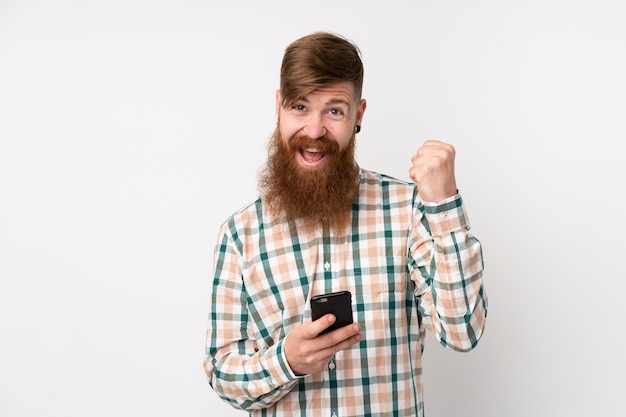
[(323, 196)]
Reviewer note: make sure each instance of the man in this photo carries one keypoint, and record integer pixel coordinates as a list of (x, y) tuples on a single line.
[(323, 224)]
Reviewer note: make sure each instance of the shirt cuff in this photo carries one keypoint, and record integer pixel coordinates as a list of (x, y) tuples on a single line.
[(282, 365), (447, 216)]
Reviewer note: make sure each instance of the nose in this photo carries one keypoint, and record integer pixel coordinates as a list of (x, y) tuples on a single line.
[(314, 127)]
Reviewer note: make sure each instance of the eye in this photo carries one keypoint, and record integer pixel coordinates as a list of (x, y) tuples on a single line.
[(298, 107), (336, 112)]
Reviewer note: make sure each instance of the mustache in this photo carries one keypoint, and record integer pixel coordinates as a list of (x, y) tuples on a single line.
[(323, 144)]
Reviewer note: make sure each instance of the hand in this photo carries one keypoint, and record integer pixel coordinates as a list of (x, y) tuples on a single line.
[(308, 353), (433, 171)]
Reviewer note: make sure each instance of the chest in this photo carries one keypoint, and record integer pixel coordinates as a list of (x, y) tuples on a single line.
[(287, 266)]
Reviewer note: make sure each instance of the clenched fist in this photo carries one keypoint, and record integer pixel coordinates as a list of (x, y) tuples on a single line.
[(433, 171)]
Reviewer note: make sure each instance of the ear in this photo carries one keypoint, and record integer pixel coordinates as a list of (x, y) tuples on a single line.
[(279, 100), (360, 111)]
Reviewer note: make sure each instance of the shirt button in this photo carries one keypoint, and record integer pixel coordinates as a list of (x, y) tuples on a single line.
[(327, 265), (331, 366)]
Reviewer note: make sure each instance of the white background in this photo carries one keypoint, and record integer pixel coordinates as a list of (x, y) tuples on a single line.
[(129, 130)]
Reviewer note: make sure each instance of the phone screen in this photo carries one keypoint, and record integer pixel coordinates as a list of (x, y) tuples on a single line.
[(337, 303)]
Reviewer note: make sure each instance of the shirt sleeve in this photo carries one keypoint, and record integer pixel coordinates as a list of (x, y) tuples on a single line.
[(446, 265), (240, 372)]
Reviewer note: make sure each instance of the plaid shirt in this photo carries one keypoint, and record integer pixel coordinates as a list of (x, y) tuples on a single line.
[(408, 265)]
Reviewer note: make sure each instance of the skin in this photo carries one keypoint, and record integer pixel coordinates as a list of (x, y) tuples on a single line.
[(334, 111), (433, 171)]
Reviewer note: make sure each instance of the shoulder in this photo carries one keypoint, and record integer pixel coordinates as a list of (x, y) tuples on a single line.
[(247, 217), (372, 179)]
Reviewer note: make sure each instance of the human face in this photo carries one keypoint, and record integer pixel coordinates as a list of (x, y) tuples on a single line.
[(332, 112)]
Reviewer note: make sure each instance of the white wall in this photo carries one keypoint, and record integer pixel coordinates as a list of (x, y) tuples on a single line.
[(130, 129)]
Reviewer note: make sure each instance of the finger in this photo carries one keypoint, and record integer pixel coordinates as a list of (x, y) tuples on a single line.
[(320, 325), (425, 155), (348, 342), (428, 148), (437, 147), (338, 336), (341, 339), (433, 142)]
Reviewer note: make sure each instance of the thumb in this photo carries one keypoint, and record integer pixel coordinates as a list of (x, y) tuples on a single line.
[(321, 324)]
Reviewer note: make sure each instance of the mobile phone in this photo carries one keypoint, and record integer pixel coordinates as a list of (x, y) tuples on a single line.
[(337, 303)]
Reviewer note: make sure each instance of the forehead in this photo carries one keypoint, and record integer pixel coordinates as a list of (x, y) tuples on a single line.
[(338, 93)]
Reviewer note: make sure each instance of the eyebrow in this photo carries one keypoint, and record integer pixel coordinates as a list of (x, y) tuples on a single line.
[(339, 101), (331, 102)]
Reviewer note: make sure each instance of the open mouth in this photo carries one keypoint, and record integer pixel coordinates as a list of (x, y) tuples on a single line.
[(311, 157)]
